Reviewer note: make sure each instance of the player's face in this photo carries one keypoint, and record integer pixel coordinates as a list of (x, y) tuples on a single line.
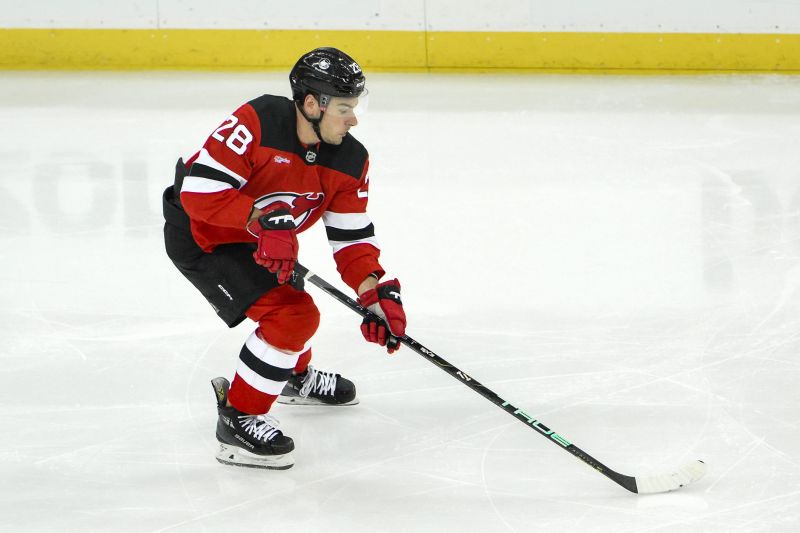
[(339, 117)]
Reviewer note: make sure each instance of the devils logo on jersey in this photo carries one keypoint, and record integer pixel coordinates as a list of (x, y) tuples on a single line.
[(301, 205)]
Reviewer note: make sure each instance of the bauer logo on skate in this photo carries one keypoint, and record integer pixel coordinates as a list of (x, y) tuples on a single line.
[(244, 441), (301, 204)]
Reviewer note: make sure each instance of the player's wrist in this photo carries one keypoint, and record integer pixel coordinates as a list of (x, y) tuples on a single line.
[(369, 283)]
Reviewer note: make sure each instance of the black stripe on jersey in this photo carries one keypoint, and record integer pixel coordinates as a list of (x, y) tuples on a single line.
[(348, 158), (204, 171), (344, 235), (278, 121), (263, 369)]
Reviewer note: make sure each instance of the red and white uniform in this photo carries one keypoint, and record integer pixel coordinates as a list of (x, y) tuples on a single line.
[(254, 158)]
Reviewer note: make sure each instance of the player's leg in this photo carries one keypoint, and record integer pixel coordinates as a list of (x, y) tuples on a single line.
[(247, 439), (276, 353), (280, 350), (231, 281), (287, 319)]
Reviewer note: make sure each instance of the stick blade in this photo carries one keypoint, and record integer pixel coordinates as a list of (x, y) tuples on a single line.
[(688, 473)]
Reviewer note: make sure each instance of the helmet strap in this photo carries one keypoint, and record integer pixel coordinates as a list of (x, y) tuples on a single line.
[(323, 100)]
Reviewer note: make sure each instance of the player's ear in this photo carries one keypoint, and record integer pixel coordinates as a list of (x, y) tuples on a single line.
[(310, 105)]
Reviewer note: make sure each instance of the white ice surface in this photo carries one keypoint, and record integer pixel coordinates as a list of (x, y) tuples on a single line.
[(618, 256)]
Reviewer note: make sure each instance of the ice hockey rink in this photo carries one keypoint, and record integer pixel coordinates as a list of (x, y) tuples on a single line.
[(619, 256)]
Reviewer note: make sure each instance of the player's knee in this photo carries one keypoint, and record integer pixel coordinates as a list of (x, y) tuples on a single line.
[(291, 326)]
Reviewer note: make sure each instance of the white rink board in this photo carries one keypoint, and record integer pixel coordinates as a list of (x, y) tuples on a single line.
[(710, 16)]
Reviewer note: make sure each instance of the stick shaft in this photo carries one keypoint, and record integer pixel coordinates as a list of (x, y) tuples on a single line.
[(627, 482)]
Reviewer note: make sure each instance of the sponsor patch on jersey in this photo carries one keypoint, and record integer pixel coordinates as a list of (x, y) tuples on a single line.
[(281, 160), (301, 205)]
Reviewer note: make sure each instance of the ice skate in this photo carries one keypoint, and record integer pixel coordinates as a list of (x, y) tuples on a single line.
[(249, 440), (317, 387)]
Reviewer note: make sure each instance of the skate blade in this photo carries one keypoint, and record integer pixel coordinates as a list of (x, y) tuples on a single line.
[(235, 456), (299, 400)]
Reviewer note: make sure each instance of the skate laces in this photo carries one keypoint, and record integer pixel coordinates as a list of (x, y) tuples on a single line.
[(318, 381), (262, 427)]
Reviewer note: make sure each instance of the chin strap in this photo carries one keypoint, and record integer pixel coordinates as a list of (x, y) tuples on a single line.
[(323, 106)]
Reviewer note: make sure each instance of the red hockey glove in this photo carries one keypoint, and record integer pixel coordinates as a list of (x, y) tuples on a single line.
[(384, 302), (277, 242)]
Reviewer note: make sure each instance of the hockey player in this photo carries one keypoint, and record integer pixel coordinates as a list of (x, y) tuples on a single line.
[(269, 171)]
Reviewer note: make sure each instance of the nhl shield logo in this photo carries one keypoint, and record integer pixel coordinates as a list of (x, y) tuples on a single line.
[(311, 156)]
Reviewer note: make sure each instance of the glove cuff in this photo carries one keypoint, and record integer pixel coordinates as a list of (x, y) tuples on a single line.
[(368, 298)]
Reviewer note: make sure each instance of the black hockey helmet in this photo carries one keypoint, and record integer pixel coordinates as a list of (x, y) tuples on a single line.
[(326, 71)]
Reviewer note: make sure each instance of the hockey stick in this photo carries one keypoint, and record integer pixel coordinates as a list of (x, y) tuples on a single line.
[(688, 473)]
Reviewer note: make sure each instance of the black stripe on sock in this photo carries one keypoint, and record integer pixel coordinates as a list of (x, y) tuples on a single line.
[(263, 369)]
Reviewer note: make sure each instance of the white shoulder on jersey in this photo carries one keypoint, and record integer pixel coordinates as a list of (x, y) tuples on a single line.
[(208, 175)]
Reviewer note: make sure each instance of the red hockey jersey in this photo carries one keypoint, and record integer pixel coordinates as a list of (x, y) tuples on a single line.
[(255, 158)]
